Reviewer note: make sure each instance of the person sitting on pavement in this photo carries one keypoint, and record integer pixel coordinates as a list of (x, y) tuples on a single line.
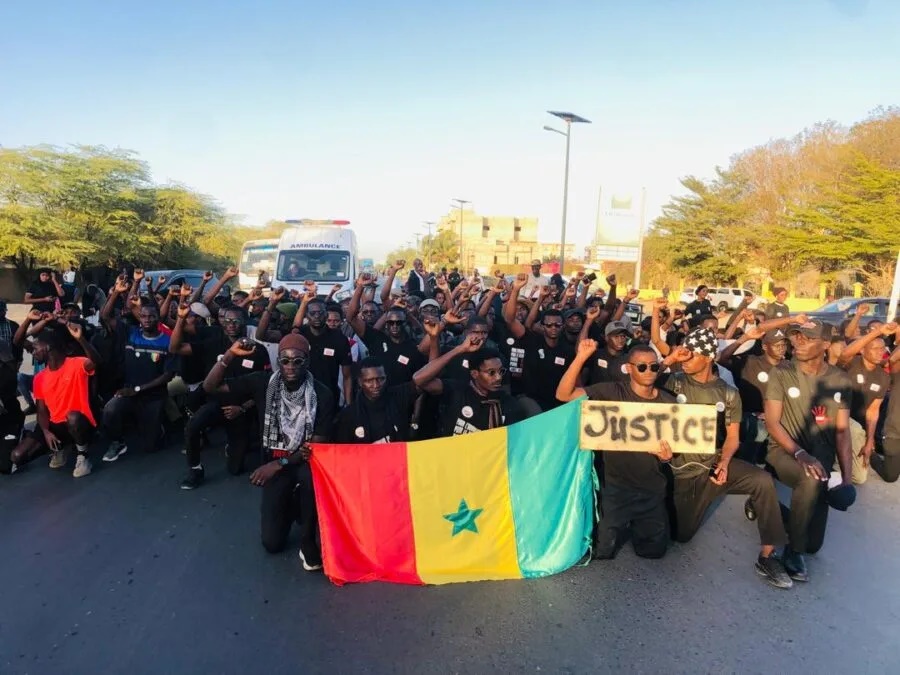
[(61, 392)]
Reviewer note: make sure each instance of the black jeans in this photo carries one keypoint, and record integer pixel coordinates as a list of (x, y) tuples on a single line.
[(888, 466), (808, 514), (146, 411), (626, 511), (693, 496), (237, 431), (287, 498), (10, 425)]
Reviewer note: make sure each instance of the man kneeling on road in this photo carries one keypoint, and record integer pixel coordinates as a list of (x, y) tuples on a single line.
[(700, 479), (64, 413), (633, 485), (294, 410)]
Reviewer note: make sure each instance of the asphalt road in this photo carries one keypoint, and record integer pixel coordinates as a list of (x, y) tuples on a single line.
[(122, 572)]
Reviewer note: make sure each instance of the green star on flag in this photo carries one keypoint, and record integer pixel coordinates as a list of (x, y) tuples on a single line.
[(463, 519)]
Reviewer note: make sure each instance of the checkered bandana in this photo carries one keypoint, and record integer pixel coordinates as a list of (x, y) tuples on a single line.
[(702, 341)]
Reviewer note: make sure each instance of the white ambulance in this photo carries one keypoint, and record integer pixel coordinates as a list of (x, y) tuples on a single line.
[(323, 251)]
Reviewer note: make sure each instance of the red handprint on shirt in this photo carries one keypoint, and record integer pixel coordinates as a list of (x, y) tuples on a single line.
[(821, 414)]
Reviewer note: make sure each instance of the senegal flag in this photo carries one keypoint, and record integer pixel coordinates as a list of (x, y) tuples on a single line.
[(509, 503)]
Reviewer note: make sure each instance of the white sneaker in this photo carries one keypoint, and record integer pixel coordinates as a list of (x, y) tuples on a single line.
[(57, 459), (306, 565), (82, 467)]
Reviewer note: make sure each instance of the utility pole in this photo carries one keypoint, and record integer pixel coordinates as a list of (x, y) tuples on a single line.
[(461, 203)]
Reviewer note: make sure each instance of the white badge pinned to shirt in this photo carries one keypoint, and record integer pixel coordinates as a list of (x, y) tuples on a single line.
[(328, 351), (793, 392), (763, 376), (602, 363), (875, 387), (467, 412), (560, 361), (247, 363), (403, 359), (860, 378)]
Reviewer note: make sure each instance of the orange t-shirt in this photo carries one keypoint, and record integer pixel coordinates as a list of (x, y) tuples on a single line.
[(65, 390)]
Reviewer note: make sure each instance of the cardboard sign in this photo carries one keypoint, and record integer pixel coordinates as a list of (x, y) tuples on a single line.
[(639, 427)]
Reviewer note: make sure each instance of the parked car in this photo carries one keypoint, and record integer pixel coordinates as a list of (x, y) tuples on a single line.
[(838, 311), (192, 278), (724, 299)]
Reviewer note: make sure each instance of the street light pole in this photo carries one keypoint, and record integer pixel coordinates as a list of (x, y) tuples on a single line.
[(428, 224), (569, 119), (461, 203)]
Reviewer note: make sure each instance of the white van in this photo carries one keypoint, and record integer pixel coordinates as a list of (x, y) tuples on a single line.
[(323, 251)]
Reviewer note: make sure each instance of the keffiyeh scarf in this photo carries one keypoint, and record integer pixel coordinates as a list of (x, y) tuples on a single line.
[(290, 415)]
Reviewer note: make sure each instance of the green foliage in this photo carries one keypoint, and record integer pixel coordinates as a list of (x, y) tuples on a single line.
[(93, 206), (704, 229), (436, 251), (828, 200)]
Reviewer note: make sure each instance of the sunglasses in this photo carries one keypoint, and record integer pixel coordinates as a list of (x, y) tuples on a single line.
[(553, 325), (293, 360), (493, 372), (316, 313), (394, 323), (643, 367), (231, 321)]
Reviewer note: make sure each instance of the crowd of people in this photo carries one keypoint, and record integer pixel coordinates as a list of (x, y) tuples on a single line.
[(446, 354)]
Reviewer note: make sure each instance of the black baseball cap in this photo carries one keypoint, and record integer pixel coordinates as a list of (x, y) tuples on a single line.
[(813, 329)]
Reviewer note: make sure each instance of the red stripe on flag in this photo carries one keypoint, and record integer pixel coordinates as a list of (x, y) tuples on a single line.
[(365, 522)]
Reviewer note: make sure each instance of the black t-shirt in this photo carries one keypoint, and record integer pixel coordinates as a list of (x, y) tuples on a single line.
[(513, 352), (463, 411), (777, 310), (43, 289), (328, 352), (146, 358), (637, 470), (383, 421), (604, 367), (751, 374), (400, 359), (892, 419), (255, 385), (716, 392), (543, 368), (214, 343), (867, 386), (810, 405), (698, 308)]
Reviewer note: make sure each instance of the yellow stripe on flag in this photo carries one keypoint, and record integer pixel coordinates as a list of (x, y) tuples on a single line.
[(461, 510)]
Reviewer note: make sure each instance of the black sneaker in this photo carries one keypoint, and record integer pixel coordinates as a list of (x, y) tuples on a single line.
[(749, 510), (773, 571), (194, 479), (795, 565)]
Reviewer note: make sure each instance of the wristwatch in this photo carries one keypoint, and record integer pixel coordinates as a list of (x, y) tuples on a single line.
[(137, 389), (283, 461), (798, 453)]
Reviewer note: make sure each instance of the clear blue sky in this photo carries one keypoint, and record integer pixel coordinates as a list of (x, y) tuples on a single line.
[(381, 112)]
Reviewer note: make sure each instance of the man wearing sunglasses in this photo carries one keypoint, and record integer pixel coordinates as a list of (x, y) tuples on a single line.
[(633, 485), (700, 479), (329, 356), (547, 354), (227, 410), (389, 342), (468, 407), (294, 410)]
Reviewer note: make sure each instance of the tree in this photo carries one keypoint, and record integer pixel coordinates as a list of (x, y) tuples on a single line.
[(855, 222), (705, 231), (440, 250), (89, 206)]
